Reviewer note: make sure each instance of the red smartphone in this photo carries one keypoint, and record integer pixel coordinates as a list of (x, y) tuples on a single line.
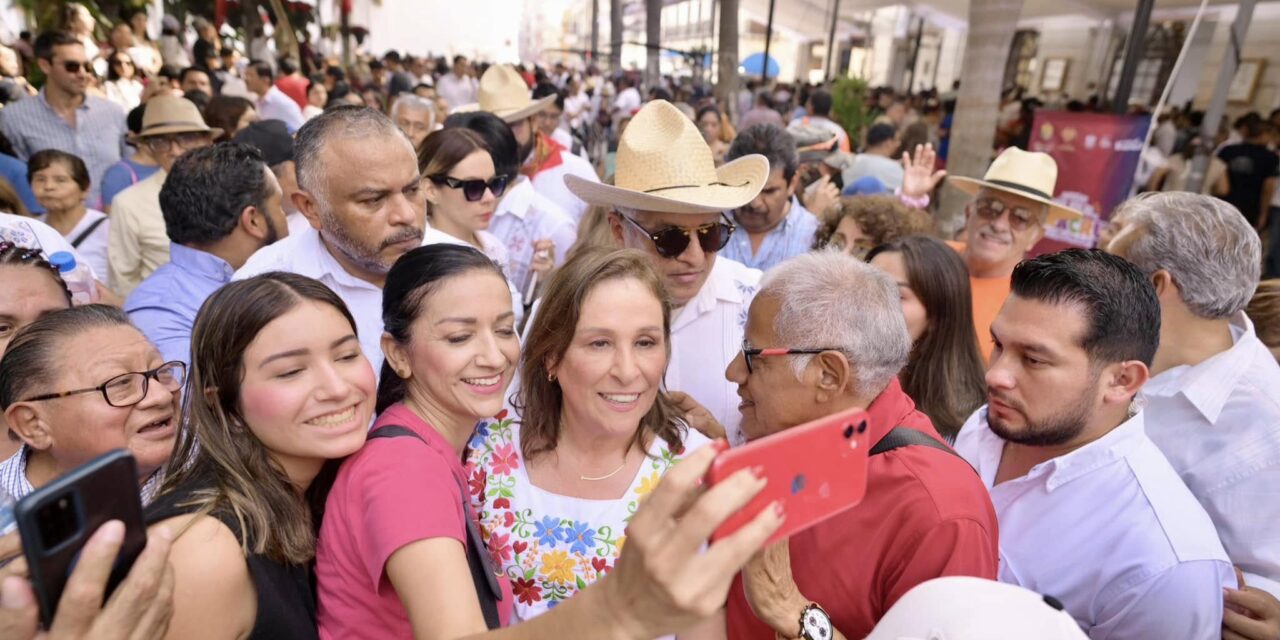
[(816, 470)]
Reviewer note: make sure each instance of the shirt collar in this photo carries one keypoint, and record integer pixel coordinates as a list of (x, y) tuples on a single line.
[(1208, 385), (888, 410), (84, 104), (720, 287), (515, 202), (1113, 446), (200, 263), (314, 260)]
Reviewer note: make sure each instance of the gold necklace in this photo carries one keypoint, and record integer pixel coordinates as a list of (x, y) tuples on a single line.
[(606, 476)]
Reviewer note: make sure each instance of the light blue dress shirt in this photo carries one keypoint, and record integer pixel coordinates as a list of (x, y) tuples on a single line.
[(792, 237), (164, 306)]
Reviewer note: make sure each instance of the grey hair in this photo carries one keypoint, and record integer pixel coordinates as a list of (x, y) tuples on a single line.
[(1205, 244), (770, 141), (829, 299), (334, 124), (411, 101), (31, 359)]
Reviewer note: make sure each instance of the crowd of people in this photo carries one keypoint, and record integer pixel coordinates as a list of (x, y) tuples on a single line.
[(445, 352)]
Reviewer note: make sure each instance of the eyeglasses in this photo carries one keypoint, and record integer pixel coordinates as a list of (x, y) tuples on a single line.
[(473, 190), (185, 141), (1020, 218), (748, 353), (128, 389), (861, 247), (72, 66), (671, 242)]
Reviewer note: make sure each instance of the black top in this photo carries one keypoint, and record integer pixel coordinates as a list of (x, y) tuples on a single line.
[(286, 594), (1248, 166)]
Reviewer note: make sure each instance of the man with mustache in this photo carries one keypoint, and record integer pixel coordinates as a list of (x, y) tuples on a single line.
[(774, 226), (1003, 221), (1090, 511), (360, 190)]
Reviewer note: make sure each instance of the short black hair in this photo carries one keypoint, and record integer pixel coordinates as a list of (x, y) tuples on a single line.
[(770, 141), (207, 190), (1119, 303), (182, 77), (544, 89), (288, 66), (170, 72), (46, 42), (820, 101), (263, 69), (41, 160), (497, 136), (880, 133)]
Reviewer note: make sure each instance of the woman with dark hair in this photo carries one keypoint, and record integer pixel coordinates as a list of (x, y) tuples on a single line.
[(596, 432), (317, 98), (280, 393), (60, 182), (716, 130), (122, 86), (945, 374), (231, 114), (463, 188)]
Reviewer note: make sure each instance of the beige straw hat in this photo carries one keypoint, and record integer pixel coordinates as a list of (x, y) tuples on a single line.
[(170, 114), (665, 165), (1029, 174), (505, 94)]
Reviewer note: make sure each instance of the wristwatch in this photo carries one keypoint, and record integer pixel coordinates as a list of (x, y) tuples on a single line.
[(815, 624)]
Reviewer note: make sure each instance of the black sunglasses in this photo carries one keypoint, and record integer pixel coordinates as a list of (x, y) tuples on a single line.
[(672, 241), (72, 66), (473, 190)]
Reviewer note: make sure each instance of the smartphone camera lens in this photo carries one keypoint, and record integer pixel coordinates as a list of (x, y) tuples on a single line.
[(862, 426), (848, 432)]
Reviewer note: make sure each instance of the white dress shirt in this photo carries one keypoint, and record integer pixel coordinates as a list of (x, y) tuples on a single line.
[(1110, 531), (550, 183), (706, 335), (525, 216), (1218, 422), (306, 254), (275, 105), (456, 91)]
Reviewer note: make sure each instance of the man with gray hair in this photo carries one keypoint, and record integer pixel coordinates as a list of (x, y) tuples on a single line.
[(775, 225), (415, 116), (360, 190), (809, 353), (1213, 401)]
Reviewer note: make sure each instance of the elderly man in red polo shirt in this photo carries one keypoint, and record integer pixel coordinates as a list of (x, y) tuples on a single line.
[(926, 513)]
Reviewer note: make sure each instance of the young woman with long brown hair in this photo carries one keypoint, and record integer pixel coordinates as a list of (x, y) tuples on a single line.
[(945, 374)]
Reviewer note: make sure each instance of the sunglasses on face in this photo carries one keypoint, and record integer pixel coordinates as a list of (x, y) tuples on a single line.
[(671, 242), (73, 66), (473, 190), (122, 62), (1020, 218)]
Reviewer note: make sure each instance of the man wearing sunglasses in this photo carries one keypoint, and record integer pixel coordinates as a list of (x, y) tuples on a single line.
[(63, 116), (668, 201), (1003, 221)]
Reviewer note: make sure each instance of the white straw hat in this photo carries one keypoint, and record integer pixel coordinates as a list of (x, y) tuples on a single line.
[(1030, 174), (964, 608), (664, 165), (505, 94)]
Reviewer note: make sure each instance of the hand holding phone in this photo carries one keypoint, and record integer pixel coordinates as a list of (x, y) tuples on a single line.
[(815, 470)]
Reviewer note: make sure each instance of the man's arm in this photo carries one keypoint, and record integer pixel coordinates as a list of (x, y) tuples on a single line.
[(1184, 601)]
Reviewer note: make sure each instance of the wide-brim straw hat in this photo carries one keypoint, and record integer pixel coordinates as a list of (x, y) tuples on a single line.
[(505, 94), (664, 165), (1030, 174), (170, 114)]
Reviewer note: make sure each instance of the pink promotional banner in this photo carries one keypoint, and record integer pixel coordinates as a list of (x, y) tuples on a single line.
[(1097, 155)]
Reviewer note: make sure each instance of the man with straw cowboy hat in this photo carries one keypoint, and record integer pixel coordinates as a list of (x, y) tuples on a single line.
[(505, 94), (138, 243), (668, 201), (1003, 221)]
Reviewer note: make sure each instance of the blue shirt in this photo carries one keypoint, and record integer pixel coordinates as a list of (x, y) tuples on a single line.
[(122, 175), (164, 306), (98, 137), (792, 237), (15, 171)]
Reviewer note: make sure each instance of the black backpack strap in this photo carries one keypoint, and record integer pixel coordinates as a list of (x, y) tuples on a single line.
[(85, 234), (482, 574), (899, 437)]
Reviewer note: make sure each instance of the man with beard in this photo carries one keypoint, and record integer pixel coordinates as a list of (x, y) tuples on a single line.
[(1003, 221), (359, 187), (1090, 511), (272, 138), (220, 205), (774, 226)]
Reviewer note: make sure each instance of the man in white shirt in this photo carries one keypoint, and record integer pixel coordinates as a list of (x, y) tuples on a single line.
[(1090, 511), (359, 187), (273, 104), (675, 216), (628, 99), (1214, 399), (458, 87)]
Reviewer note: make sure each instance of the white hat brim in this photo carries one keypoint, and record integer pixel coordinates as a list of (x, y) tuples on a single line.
[(737, 183), (972, 186)]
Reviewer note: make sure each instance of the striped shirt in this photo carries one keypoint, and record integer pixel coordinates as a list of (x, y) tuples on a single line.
[(13, 477), (98, 136)]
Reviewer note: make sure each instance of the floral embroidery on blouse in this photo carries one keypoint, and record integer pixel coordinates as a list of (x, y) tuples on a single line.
[(549, 546)]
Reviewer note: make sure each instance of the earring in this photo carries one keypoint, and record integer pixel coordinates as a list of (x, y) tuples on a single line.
[(551, 377)]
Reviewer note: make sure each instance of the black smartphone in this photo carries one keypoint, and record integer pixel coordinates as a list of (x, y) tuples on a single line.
[(56, 520)]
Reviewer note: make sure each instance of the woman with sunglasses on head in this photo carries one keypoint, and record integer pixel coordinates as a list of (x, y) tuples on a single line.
[(399, 553), (556, 489), (280, 393), (79, 382)]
